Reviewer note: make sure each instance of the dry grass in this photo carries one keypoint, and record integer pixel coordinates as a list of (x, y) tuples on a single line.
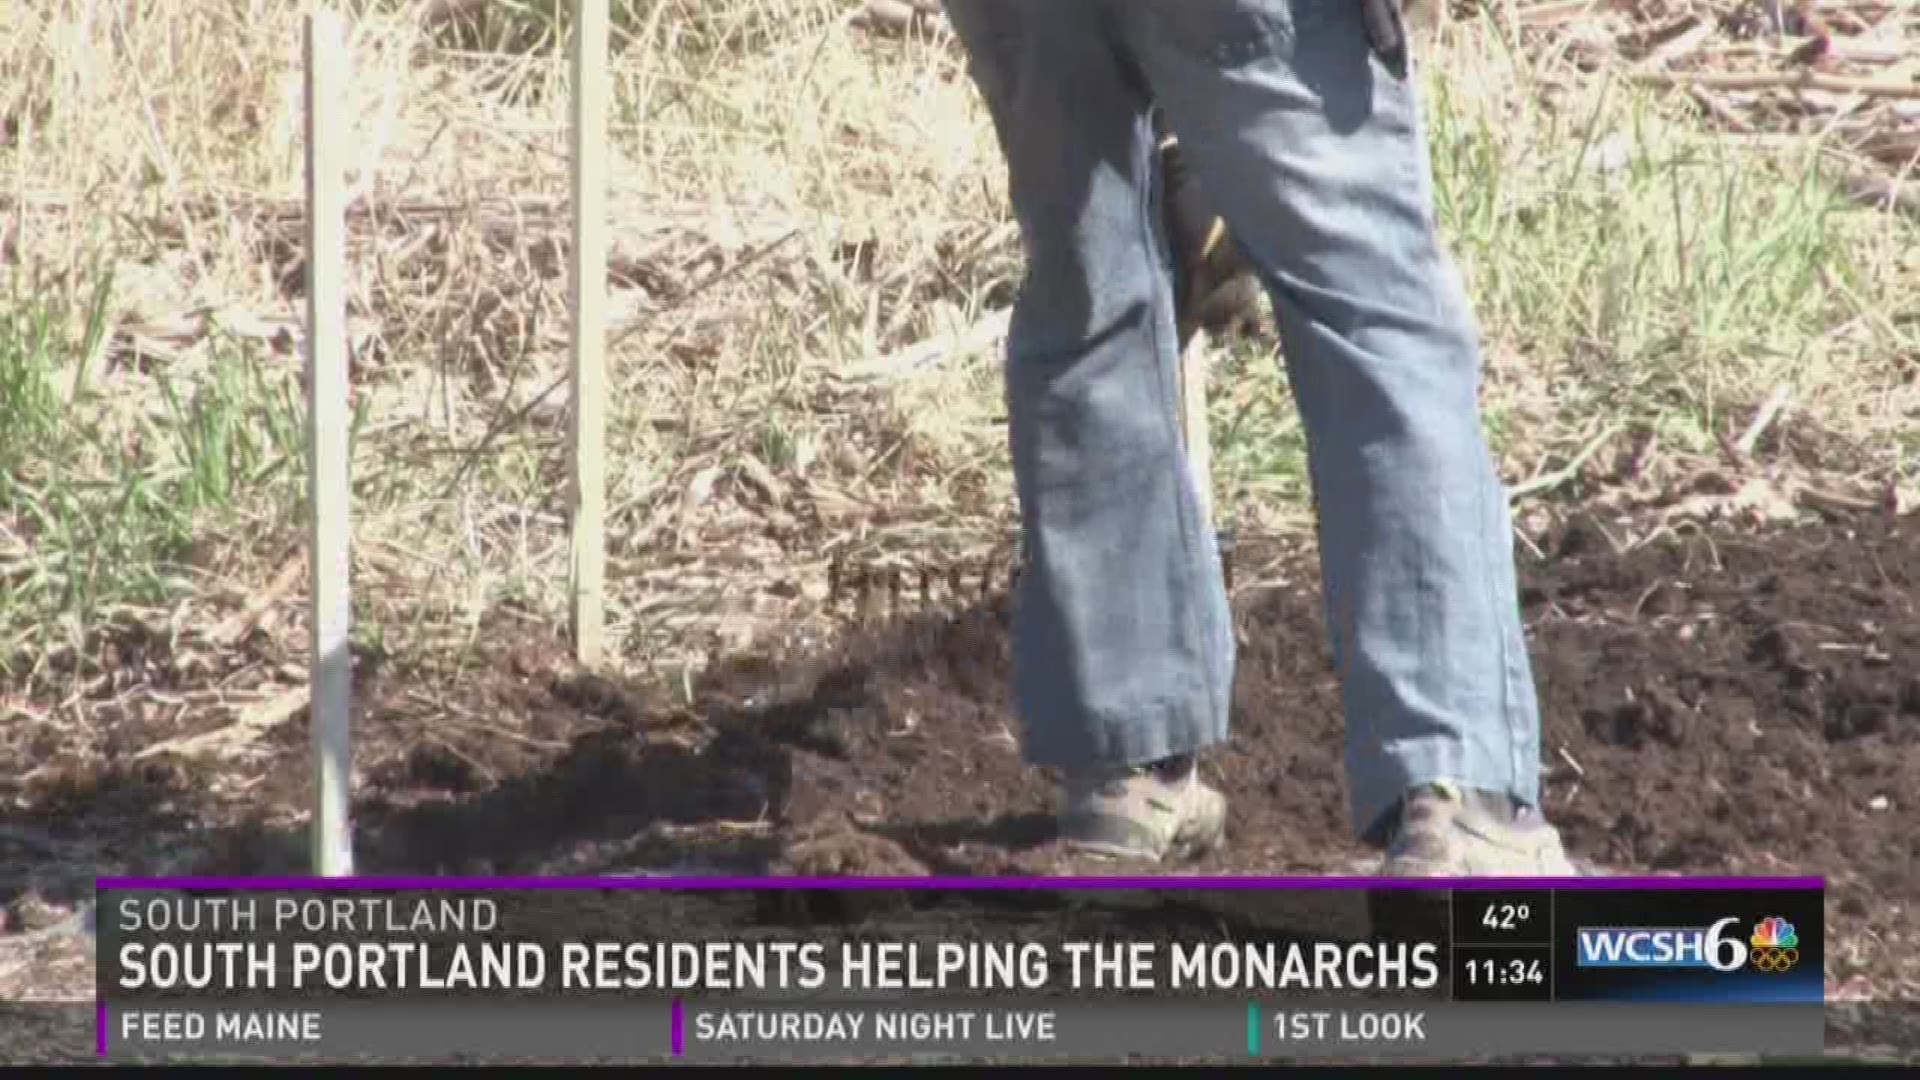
[(797, 202), (799, 206)]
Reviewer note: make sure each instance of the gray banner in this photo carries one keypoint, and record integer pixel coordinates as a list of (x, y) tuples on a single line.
[(1039, 1029)]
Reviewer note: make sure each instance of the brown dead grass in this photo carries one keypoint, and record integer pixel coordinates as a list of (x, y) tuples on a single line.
[(803, 213)]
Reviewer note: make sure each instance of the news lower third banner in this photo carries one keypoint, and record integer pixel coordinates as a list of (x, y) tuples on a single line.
[(862, 969)]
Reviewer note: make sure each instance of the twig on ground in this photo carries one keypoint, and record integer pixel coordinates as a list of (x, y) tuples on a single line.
[(1882, 194), (251, 723), (1685, 39), (242, 622), (745, 262), (1897, 149), (1837, 502), (452, 715), (1771, 80), (1553, 12), (1769, 410), (1571, 762), (492, 778), (982, 334), (1737, 459), (1720, 110), (1646, 595), (1566, 472), (898, 16)]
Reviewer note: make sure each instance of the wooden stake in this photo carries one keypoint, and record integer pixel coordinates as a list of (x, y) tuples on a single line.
[(1195, 368), (327, 443), (589, 326), (1780, 80)]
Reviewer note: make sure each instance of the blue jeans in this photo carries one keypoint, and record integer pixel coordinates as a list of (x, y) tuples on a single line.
[(1317, 157)]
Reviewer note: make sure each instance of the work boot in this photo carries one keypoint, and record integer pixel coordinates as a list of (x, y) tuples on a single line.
[(1157, 812), (1445, 831)]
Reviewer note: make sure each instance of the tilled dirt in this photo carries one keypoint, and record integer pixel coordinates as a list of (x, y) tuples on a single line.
[(1715, 702)]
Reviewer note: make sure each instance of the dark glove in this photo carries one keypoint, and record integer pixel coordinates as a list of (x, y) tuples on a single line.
[(1388, 33)]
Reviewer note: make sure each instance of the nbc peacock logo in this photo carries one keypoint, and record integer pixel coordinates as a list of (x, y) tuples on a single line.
[(1775, 945)]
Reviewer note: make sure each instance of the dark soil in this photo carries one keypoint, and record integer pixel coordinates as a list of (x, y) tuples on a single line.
[(1715, 703)]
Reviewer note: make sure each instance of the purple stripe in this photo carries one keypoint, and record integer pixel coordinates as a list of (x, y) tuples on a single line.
[(100, 1028), (679, 1028), (979, 883)]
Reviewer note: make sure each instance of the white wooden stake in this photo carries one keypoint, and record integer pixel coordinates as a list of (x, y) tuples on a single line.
[(329, 493), (1195, 368), (589, 326)]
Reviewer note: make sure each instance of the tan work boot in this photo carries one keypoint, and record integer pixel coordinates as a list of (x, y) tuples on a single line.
[(1157, 812), (1445, 831)]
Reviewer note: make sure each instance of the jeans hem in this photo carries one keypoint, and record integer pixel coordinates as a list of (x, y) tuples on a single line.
[(1377, 791), (1144, 738)]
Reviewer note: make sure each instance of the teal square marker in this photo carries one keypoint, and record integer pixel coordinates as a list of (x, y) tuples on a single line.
[(1253, 1030)]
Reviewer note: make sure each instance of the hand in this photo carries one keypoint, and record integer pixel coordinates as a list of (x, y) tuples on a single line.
[(1388, 33)]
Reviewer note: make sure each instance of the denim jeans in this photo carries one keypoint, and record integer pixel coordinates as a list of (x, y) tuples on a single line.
[(1316, 155)]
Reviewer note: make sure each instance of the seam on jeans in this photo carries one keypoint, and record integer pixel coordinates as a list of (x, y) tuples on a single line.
[(1496, 610), (1491, 538), (1419, 161), (1148, 206)]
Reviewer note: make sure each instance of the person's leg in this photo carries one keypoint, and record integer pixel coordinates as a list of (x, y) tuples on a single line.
[(1123, 645), (1317, 158)]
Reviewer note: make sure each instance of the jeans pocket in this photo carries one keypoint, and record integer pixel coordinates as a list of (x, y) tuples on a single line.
[(1236, 32)]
